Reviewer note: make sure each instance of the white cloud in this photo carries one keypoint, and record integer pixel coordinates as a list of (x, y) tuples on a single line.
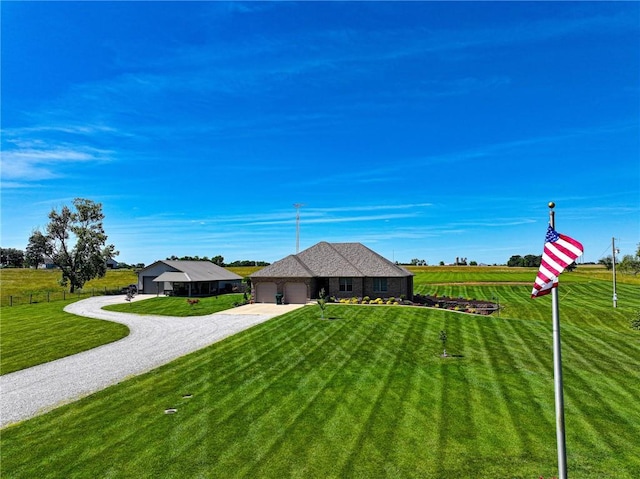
[(36, 160)]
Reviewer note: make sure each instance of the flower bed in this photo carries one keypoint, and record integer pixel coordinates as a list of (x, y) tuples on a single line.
[(467, 305)]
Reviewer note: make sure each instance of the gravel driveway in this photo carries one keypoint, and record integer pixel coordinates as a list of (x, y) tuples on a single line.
[(152, 342)]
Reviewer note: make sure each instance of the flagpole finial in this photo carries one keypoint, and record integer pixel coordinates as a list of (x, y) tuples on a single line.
[(552, 204)]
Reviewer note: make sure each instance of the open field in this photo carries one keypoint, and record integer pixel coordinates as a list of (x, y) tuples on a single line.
[(367, 395), (24, 285)]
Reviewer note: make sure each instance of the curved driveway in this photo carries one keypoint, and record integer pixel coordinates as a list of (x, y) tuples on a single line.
[(152, 342)]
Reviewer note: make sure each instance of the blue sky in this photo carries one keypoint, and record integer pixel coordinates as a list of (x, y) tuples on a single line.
[(423, 130)]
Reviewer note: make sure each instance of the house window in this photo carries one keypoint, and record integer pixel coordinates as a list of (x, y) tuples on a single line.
[(346, 284), (380, 285)]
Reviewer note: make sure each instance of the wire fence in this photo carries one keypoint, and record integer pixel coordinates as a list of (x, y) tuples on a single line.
[(50, 296)]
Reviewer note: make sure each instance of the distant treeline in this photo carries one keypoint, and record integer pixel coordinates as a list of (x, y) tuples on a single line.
[(219, 260), (528, 260)]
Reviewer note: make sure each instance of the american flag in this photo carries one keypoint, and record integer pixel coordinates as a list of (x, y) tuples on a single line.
[(559, 252)]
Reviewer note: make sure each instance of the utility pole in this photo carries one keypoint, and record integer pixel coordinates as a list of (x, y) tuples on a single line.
[(614, 251), (297, 206)]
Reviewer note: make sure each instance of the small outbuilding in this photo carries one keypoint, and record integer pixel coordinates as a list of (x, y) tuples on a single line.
[(187, 278), (343, 270)]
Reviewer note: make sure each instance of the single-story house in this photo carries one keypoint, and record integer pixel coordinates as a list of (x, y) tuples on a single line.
[(343, 270), (187, 278)]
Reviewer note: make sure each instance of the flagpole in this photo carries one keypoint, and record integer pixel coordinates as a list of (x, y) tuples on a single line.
[(557, 373)]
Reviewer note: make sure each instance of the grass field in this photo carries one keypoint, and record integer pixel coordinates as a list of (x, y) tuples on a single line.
[(20, 286), (33, 334), (367, 396)]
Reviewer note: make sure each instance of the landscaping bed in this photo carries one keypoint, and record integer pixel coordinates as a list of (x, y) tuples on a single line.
[(465, 305)]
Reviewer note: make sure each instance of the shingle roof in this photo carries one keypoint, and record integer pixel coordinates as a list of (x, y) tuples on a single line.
[(333, 260), (200, 270), (288, 267)]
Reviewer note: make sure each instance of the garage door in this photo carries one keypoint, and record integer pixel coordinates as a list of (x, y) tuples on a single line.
[(266, 292), (295, 293), (148, 286)]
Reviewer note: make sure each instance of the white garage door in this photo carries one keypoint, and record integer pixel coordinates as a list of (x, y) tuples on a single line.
[(295, 293), (266, 292)]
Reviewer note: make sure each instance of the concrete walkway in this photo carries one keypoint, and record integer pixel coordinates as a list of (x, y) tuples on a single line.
[(152, 342)]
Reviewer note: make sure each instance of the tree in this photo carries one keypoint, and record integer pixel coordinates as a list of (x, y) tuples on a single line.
[(630, 264), (532, 260), (515, 260), (11, 258), (219, 260), (607, 262), (322, 302), (76, 242), (36, 249), (529, 260)]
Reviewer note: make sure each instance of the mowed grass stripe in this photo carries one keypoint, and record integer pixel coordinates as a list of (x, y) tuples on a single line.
[(36, 334), (382, 401), (342, 396), (379, 373), (239, 454), (592, 419)]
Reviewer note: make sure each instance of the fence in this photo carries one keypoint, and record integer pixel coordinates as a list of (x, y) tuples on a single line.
[(49, 296)]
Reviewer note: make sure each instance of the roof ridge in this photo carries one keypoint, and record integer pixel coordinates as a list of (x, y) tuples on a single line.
[(343, 257), (301, 263)]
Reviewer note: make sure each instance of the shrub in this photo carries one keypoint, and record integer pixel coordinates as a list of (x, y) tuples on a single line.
[(366, 299), (635, 322)]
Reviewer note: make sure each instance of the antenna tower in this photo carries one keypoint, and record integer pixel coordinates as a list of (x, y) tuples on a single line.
[(297, 206)]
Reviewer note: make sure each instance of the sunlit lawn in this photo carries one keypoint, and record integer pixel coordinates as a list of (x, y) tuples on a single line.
[(367, 395), (178, 306), (32, 334)]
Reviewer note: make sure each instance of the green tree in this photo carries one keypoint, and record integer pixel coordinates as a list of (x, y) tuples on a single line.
[(76, 242), (219, 260), (322, 302), (515, 260), (36, 250), (532, 260), (11, 258), (630, 264), (607, 262)]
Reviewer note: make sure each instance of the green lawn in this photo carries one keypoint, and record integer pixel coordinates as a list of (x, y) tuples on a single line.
[(367, 396), (32, 334), (173, 306)]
